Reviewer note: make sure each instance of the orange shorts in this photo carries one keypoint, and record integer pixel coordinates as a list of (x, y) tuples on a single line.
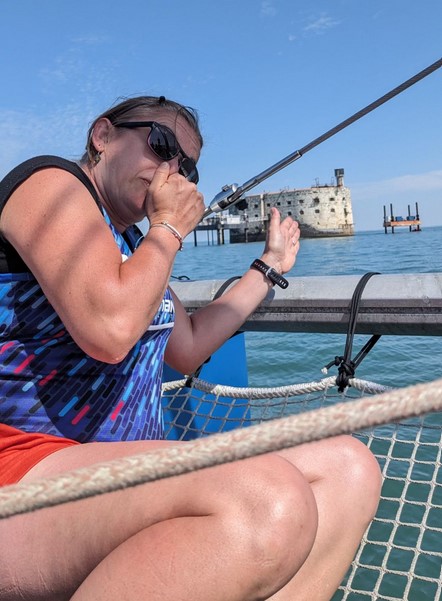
[(20, 451)]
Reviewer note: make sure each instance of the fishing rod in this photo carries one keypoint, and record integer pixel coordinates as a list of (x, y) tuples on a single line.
[(231, 194)]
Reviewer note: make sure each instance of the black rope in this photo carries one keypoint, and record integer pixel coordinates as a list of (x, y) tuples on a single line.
[(217, 294), (346, 365)]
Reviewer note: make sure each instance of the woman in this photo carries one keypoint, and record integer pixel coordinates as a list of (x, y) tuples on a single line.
[(88, 319)]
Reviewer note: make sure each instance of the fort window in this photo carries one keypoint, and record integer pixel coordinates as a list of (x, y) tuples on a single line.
[(316, 200), (301, 201), (332, 210), (301, 212), (289, 213), (317, 211), (332, 198)]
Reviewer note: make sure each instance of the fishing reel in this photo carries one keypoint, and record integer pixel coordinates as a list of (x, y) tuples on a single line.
[(223, 199)]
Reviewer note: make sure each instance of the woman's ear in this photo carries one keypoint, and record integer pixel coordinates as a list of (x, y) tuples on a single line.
[(100, 134)]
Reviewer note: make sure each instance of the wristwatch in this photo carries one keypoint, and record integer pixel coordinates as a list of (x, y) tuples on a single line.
[(270, 273)]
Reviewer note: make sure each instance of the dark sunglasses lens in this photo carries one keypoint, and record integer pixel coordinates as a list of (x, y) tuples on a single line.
[(189, 170), (163, 143)]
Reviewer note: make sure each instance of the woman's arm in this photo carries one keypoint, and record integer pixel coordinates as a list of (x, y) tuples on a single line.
[(194, 338), (106, 304)]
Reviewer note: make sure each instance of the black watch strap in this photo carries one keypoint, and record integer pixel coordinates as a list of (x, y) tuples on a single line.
[(270, 273)]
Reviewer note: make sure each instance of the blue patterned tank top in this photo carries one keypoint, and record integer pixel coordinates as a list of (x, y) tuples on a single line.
[(47, 383)]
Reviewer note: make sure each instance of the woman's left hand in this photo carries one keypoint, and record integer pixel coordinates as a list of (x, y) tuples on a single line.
[(282, 243)]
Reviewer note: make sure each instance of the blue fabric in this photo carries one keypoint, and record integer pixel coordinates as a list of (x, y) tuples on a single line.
[(48, 384)]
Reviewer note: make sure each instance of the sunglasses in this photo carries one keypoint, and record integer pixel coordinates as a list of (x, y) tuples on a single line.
[(163, 143)]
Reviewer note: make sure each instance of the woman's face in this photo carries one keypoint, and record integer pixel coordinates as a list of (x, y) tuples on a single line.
[(128, 164)]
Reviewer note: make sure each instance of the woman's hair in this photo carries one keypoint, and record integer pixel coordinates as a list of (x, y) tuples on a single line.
[(138, 108)]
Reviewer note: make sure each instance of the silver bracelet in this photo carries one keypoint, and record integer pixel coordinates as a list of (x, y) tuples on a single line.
[(172, 230)]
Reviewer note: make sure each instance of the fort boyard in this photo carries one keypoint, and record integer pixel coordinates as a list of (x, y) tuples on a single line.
[(321, 211)]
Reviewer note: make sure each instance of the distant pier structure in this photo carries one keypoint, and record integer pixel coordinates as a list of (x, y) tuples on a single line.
[(411, 221)]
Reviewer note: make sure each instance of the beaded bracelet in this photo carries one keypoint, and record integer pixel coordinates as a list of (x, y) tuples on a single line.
[(172, 230)]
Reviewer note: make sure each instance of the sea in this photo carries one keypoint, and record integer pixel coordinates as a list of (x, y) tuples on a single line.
[(286, 358)]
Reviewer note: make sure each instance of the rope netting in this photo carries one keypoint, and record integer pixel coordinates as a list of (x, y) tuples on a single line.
[(401, 553), (205, 408)]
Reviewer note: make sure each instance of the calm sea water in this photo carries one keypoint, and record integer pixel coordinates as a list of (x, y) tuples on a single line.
[(286, 358)]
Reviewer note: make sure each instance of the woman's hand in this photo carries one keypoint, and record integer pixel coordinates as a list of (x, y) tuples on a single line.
[(282, 242), (171, 198)]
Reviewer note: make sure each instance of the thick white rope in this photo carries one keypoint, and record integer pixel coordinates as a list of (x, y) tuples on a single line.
[(342, 418), (274, 391)]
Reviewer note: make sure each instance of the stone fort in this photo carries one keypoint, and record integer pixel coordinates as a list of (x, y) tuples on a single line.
[(321, 211)]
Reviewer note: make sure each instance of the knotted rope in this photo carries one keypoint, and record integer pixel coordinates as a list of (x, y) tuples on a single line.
[(342, 418), (346, 365)]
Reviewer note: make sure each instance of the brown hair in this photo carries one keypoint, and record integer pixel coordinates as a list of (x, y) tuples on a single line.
[(138, 107)]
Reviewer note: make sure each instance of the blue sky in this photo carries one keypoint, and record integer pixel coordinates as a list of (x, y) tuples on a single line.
[(267, 77)]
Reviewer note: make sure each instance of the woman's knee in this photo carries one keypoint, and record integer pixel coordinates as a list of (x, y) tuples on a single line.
[(360, 469), (360, 461), (277, 521), (345, 469)]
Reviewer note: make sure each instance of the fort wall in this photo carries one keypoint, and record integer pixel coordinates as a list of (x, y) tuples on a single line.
[(321, 211)]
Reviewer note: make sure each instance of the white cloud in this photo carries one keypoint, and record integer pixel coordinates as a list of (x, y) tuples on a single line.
[(405, 184), (25, 134), (321, 24), (91, 39), (72, 73), (17, 130), (268, 8), (72, 93)]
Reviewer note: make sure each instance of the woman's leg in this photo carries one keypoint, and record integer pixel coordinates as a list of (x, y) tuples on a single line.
[(234, 532), (346, 481)]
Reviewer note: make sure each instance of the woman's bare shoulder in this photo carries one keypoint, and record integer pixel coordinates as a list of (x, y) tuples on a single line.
[(47, 198)]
